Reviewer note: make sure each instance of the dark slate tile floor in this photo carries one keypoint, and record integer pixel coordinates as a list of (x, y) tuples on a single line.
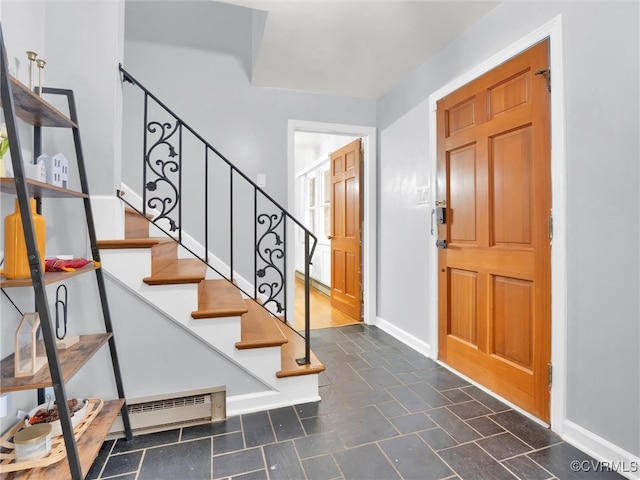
[(387, 412)]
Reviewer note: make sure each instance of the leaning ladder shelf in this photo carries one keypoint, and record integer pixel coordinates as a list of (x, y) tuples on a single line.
[(17, 101)]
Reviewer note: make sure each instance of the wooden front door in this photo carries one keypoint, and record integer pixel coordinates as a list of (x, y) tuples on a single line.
[(494, 277), (346, 229)]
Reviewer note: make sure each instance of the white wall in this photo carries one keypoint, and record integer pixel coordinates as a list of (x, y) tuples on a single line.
[(603, 203), (247, 124), (18, 39), (70, 36), (404, 226), (81, 42)]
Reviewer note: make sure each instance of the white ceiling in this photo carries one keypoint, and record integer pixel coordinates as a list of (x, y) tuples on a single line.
[(358, 48)]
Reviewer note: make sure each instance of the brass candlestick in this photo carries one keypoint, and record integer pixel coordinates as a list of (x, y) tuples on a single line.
[(32, 57), (41, 64)]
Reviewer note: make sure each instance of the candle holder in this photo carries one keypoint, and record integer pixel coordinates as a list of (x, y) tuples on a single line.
[(28, 359), (41, 63), (32, 58)]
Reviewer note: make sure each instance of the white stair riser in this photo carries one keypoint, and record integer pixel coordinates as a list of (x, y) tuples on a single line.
[(131, 265)]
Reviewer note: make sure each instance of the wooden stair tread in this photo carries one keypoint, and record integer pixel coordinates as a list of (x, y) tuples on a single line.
[(219, 298), (259, 328), (127, 243), (179, 270), (292, 350)]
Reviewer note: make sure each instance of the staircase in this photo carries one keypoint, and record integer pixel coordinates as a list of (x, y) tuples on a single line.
[(212, 308)]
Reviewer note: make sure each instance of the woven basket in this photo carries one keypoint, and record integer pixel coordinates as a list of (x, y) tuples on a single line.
[(8, 461)]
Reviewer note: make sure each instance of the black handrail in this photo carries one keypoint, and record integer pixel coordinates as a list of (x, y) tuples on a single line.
[(270, 219)]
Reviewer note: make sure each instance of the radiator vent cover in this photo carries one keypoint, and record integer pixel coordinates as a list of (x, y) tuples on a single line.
[(175, 410), (169, 404)]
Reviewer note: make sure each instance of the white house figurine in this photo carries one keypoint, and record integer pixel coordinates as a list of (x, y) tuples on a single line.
[(37, 171), (57, 169)]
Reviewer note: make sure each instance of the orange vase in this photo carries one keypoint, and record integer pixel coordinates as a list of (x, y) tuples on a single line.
[(16, 261)]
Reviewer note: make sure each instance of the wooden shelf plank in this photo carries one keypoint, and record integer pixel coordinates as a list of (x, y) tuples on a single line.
[(71, 360), (49, 277), (34, 110), (39, 189), (88, 448)]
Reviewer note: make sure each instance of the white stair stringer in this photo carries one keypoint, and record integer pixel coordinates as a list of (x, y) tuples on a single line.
[(129, 266)]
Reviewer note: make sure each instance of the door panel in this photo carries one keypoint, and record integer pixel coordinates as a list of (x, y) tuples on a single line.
[(494, 308), (462, 195), (513, 320), (463, 322), (352, 208), (509, 94), (346, 208), (510, 160)]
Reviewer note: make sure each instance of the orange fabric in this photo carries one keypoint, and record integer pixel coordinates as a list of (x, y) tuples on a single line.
[(59, 265)]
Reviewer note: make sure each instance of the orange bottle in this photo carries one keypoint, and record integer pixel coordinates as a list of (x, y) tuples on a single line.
[(16, 261)]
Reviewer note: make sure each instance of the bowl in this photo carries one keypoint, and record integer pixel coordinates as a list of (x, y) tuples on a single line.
[(56, 427)]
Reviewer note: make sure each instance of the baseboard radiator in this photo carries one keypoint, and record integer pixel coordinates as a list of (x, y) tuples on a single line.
[(166, 412)]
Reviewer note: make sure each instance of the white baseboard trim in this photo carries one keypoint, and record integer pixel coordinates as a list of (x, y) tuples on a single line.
[(406, 338), (612, 456), (261, 401)]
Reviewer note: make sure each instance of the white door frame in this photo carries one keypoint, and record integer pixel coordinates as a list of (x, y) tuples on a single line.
[(368, 135), (552, 30)]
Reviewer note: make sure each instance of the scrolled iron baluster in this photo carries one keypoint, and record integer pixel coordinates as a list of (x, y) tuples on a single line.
[(269, 257), (162, 169)]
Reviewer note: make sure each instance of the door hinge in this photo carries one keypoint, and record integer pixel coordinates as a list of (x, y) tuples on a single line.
[(549, 373), (550, 227), (546, 73)]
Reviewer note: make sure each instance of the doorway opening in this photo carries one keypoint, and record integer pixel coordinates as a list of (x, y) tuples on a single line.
[(310, 148)]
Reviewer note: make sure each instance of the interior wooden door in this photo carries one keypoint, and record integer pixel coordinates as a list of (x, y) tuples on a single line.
[(346, 229), (494, 180)]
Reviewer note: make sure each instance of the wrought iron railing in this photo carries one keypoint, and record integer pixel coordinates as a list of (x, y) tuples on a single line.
[(222, 199)]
